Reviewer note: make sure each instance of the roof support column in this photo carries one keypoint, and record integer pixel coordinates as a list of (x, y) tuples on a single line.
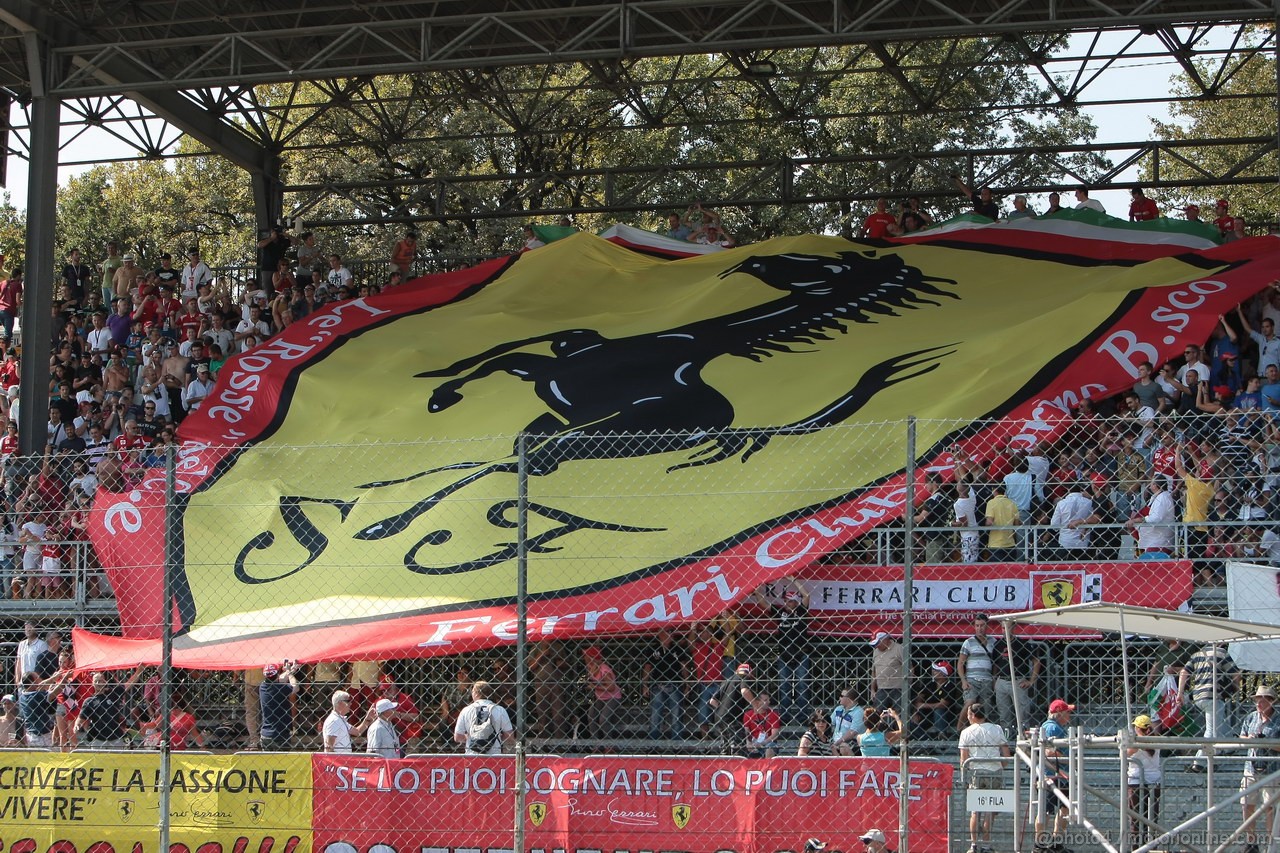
[(268, 192), (40, 278)]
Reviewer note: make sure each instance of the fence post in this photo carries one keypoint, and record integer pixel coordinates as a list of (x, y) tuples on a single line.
[(171, 557), (908, 588), (522, 629)]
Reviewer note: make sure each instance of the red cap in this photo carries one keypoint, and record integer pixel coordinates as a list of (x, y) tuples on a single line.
[(593, 652), (385, 678), (1099, 480), (1057, 706), (1223, 391), (1222, 202), (1191, 207)]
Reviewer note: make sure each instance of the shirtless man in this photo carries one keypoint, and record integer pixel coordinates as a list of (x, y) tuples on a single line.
[(173, 372), (125, 277), (115, 376)]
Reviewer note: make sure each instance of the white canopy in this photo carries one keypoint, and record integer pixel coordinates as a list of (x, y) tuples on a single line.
[(1147, 621)]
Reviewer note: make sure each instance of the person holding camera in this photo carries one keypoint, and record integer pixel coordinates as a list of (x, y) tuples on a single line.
[(275, 695), (1261, 723)]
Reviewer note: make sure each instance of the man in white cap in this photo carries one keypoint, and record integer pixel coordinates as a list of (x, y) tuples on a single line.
[(873, 841), (887, 671), (383, 738), (1261, 723)]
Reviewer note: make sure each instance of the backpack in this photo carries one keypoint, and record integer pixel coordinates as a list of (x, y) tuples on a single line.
[(482, 734)]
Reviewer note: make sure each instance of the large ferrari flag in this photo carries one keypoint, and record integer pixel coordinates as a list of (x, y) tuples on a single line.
[(684, 430)]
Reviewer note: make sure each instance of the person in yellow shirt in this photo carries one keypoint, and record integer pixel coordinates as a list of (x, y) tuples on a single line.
[(725, 626), (1002, 517), (1195, 512)]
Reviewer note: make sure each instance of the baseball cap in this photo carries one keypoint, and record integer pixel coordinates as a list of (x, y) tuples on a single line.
[(793, 595), (592, 652), (203, 368), (1142, 721), (129, 256), (872, 835), (166, 256), (879, 638), (1264, 690), (8, 697), (1191, 208), (744, 668), (1099, 480), (1222, 202), (1057, 706), (942, 666), (384, 705), (271, 670)]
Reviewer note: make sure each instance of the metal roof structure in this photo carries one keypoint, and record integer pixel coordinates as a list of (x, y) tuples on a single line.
[(186, 44), (151, 72)]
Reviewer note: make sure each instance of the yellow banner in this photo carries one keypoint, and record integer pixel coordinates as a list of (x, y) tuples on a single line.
[(110, 802)]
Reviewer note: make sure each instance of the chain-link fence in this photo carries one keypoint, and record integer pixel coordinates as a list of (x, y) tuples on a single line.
[(734, 640)]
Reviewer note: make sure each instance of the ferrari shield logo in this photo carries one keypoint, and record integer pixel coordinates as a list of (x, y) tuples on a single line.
[(257, 810), (537, 813), (125, 808), (1058, 592), (680, 814)]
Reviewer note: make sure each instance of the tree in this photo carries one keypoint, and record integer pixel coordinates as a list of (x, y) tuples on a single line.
[(833, 123), (1244, 105)]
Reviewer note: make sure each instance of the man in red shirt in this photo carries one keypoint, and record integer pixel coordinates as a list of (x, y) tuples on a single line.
[(191, 318), (1224, 221), (763, 726), (130, 442), (880, 224), (9, 444), (10, 370), (1142, 209), (10, 301)]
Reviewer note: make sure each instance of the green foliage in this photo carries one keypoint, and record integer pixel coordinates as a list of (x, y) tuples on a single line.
[(1243, 106), (499, 140), (151, 207)]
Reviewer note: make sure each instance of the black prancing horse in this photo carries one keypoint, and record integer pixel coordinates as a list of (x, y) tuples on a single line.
[(616, 398)]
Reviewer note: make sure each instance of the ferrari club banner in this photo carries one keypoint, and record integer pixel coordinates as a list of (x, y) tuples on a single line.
[(846, 600), (692, 429), (294, 803)]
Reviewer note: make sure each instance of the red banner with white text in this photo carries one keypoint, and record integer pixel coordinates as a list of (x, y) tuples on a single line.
[(448, 802), (848, 602)]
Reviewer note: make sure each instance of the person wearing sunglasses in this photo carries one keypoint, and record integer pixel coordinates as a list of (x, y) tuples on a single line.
[(873, 841)]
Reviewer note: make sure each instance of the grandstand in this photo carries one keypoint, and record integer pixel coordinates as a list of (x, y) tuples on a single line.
[(252, 541)]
